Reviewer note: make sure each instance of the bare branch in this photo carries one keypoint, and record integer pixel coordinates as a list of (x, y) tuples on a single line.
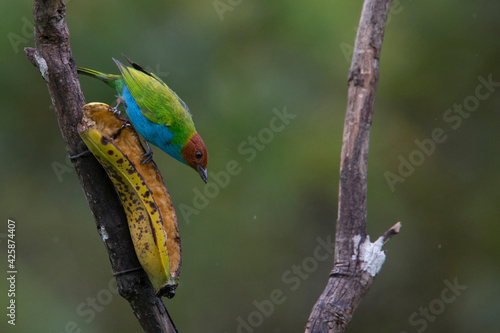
[(394, 230), (357, 260), (52, 56)]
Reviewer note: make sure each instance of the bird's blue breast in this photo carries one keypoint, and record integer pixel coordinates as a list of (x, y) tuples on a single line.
[(159, 135)]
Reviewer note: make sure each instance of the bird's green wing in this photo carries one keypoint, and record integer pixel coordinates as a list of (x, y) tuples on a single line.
[(142, 69), (157, 101), (153, 117)]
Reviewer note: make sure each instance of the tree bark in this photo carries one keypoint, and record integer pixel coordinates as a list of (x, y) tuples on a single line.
[(357, 260), (52, 56)]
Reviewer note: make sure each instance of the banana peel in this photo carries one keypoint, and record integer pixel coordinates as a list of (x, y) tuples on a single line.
[(150, 213)]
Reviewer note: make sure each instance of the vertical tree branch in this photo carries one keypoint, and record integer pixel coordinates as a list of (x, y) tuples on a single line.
[(52, 56), (357, 260)]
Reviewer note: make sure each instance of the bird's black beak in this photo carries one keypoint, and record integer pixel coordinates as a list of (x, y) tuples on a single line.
[(202, 172)]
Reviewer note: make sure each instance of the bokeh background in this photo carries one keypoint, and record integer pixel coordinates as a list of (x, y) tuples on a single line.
[(232, 68)]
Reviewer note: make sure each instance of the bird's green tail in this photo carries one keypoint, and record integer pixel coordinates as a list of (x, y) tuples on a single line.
[(114, 81)]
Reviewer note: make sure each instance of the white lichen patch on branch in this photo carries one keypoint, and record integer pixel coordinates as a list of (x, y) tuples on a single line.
[(104, 234), (42, 66), (355, 240), (370, 255)]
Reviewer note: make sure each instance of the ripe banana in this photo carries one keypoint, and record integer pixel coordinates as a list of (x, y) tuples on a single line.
[(150, 214)]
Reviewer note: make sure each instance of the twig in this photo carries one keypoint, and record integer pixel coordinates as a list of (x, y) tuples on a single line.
[(52, 56), (394, 230), (357, 260)]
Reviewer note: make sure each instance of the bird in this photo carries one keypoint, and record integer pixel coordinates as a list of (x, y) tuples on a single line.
[(157, 113)]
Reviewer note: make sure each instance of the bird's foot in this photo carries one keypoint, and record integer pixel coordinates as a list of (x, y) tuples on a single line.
[(115, 108), (82, 154), (148, 156)]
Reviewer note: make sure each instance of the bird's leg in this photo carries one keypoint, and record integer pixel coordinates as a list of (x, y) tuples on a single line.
[(82, 154), (148, 156), (115, 108)]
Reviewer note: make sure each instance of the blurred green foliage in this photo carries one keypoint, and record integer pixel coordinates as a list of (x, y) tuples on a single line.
[(232, 73)]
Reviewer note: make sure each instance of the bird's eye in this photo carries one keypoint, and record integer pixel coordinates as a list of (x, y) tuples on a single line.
[(198, 154)]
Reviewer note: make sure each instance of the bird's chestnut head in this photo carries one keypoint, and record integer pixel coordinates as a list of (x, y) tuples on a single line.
[(195, 155)]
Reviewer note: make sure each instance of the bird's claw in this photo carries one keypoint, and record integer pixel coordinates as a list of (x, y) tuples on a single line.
[(148, 156), (115, 108)]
